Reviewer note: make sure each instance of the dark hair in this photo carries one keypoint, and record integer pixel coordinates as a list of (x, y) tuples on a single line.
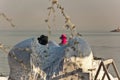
[(43, 39)]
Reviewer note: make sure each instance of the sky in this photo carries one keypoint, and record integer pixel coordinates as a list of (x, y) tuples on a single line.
[(87, 15)]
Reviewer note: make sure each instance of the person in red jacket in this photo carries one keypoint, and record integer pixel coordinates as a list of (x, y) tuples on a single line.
[(63, 39)]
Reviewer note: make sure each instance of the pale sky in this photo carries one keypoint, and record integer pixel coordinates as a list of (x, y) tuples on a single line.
[(87, 15)]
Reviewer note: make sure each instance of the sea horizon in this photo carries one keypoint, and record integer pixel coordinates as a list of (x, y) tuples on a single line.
[(103, 44)]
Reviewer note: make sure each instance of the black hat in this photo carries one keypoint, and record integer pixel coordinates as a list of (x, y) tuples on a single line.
[(43, 39)]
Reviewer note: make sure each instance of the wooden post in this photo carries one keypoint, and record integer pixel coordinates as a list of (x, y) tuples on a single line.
[(105, 65), (98, 71), (116, 71), (104, 73)]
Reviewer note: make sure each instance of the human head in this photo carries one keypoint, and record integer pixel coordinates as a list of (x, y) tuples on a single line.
[(63, 36), (43, 39)]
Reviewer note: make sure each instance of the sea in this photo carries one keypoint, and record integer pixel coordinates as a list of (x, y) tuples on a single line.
[(103, 44)]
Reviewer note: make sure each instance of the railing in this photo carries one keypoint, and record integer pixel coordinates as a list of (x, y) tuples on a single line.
[(105, 64)]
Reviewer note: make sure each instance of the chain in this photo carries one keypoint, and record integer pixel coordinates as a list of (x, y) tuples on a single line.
[(68, 23), (7, 19)]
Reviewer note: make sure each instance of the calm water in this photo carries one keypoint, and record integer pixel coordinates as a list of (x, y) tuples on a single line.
[(106, 45)]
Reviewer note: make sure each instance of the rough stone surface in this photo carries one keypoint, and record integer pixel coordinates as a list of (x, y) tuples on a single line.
[(29, 60)]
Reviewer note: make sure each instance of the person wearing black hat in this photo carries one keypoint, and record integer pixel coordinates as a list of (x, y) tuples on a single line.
[(43, 39)]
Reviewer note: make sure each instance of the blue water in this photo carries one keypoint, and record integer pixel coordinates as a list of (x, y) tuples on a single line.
[(103, 44)]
